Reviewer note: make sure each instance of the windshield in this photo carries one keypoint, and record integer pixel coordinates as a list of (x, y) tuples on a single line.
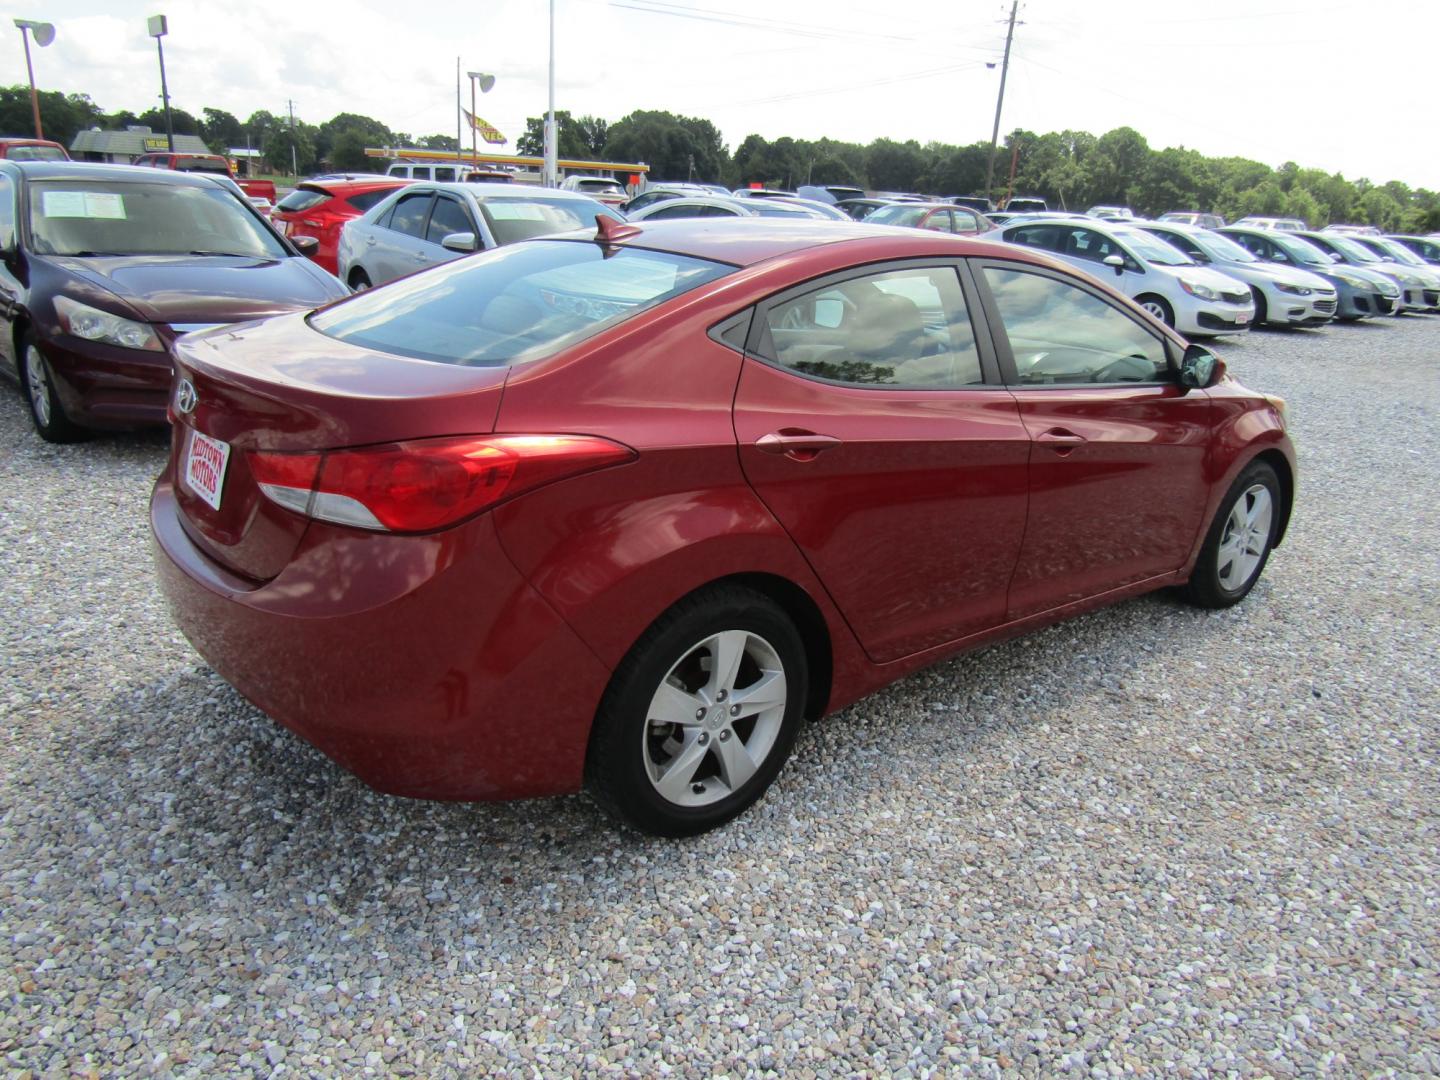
[(1396, 252), (1351, 250), (898, 215), (1152, 249), (513, 304), (603, 187), (36, 153), (521, 217), (1302, 251), (109, 217), (779, 208), (1222, 247)]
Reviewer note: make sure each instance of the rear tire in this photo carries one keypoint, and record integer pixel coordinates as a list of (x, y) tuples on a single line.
[(1240, 540), (700, 715), (38, 384), (1157, 307)]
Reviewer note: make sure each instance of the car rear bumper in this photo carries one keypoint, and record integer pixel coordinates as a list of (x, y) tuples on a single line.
[(426, 665)]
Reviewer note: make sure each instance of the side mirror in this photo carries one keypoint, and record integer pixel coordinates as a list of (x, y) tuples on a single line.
[(1117, 261), (462, 242), (1200, 368), (306, 245)]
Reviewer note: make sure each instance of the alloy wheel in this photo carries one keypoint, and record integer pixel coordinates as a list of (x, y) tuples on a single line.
[(715, 718), (37, 383), (1246, 537)]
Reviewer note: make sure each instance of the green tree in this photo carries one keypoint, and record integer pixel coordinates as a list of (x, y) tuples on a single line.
[(438, 142), (570, 139), (675, 147), (220, 130), (185, 123), (895, 166), (342, 140), (62, 116)]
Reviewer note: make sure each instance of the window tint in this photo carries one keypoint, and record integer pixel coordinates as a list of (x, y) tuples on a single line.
[(7, 208), (446, 173), (302, 199), (1060, 334), (409, 214), (684, 210), (907, 328), (1045, 237), (1181, 241), (513, 304), (448, 217), (719, 211), (966, 222), (939, 221), (366, 199), (1090, 245), (420, 172)]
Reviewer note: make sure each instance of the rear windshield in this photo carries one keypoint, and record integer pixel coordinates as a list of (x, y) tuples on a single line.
[(302, 199), (513, 304), (106, 217), (520, 217), (36, 153)]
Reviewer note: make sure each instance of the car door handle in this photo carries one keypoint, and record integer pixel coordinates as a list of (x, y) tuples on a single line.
[(1061, 440), (420, 256), (370, 241), (795, 444)]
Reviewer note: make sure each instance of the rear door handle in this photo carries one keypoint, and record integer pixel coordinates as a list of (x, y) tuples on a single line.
[(796, 445)]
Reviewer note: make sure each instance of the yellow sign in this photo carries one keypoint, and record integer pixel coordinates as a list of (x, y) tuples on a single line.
[(486, 131), (152, 143)]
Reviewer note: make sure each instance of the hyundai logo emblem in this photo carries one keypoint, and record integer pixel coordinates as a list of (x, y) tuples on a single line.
[(185, 397)]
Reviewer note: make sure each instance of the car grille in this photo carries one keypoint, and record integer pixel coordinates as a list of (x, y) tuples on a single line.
[(1235, 297), (1431, 297), (1325, 307)]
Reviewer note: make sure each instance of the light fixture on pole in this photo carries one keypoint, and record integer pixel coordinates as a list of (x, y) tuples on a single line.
[(44, 34), (486, 82), (158, 27)]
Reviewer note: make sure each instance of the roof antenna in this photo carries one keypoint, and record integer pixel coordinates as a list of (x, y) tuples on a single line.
[(609, 232)]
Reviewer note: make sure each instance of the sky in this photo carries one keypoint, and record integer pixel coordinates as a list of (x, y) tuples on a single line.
[(1347, 87)]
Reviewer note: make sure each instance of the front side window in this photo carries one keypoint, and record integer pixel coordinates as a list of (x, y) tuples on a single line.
[(106, 217), (447, 217), (410, 214), (513, 304), (1060, 334), (901, 328)]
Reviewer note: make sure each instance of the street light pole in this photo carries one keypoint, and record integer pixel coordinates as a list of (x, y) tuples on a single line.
[(486, 82), (44, 34), (549, 177), (158, 27)]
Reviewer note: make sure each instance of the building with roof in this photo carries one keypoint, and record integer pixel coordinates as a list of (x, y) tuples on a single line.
[(123, 147)]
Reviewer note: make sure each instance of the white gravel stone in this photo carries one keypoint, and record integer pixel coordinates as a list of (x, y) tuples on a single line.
[(1152, 840)]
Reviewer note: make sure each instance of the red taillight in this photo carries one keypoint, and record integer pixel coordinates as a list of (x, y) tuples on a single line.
[(425, 484)]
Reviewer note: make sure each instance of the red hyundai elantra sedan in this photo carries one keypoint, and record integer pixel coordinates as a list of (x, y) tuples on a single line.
[(618, 510)]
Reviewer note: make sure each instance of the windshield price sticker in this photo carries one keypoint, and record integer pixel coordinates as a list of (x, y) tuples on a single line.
[(83, 204)]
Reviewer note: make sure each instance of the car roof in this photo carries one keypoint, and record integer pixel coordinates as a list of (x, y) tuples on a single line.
[(747, 241), (1173, 226), (335, 184), (484, 190), (94, 170)]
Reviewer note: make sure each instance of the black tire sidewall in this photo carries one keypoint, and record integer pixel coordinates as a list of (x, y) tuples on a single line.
[(60, 429), (1205, 587), (615, 766)]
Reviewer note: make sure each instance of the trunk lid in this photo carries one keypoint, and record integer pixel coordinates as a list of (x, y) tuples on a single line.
[(281, 386)]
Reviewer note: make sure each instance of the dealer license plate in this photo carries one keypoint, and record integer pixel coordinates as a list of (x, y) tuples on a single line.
[(205, 467), (1241, 319)]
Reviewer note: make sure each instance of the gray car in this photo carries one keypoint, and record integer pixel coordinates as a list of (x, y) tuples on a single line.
[(691, 206), (1360, 293), (427, 224), (1285, 295)]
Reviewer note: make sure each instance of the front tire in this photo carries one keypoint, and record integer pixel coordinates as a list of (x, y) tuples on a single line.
[(1157, 307), (1262, 309), (1240, 540), (38, 383), (700, 715)]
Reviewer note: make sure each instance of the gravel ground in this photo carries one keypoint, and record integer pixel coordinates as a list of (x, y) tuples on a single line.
[(1148, 840)]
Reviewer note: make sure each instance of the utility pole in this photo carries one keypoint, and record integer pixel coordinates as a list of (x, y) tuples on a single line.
[(294, 160), (550, 176), (1000, 99)]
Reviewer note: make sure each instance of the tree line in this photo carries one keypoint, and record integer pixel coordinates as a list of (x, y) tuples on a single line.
[(1070, 169)]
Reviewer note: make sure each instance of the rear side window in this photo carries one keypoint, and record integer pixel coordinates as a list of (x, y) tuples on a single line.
[(366, 199), (513, 304), (302, 199), (447, 217), (410, 214)]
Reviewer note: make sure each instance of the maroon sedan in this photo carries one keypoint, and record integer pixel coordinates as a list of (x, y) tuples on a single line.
[(104, 266), (320, 208), (621, 509)]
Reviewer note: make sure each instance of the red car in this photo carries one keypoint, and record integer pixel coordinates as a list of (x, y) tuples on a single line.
[(320, 208), (622, 509)]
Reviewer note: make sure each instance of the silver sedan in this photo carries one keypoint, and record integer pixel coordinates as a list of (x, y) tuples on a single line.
[(427, 224)]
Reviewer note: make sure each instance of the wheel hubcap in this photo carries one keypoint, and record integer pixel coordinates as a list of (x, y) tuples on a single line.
[(38, 384), (1246, 537), (1154, 309), (714, 718)]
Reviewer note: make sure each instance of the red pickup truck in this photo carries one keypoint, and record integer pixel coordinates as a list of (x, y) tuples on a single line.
[(210, 163)]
